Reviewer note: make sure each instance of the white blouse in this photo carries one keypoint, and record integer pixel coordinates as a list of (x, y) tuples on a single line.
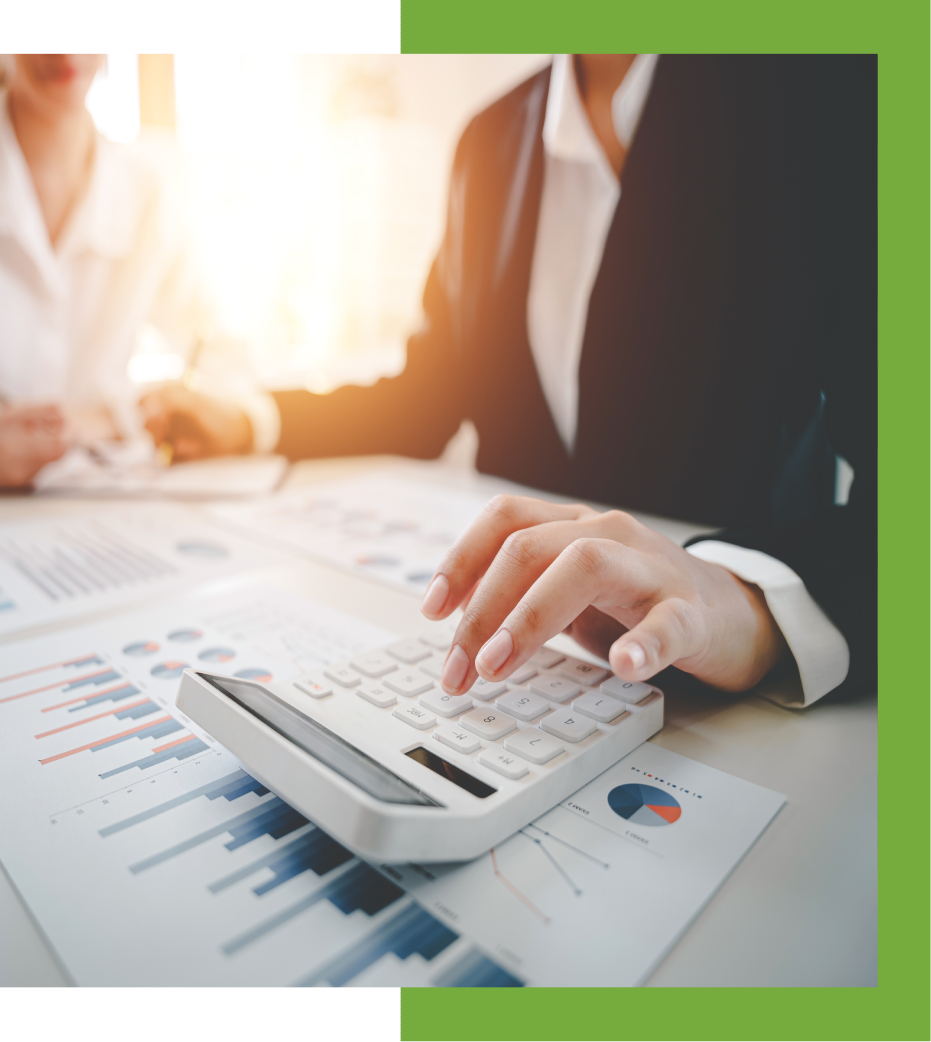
[(70, 313)]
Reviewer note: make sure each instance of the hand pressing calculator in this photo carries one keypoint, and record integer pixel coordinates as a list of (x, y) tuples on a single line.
[(378, 755)]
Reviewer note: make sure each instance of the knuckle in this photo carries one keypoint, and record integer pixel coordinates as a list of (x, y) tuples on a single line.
[(502, 508), (521, 548), (588, 555), (527, 618)]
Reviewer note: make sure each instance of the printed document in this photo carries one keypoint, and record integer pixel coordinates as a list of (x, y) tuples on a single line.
[(150, 856)]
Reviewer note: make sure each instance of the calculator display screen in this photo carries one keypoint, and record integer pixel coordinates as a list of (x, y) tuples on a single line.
[(320, 742), (450, 771)]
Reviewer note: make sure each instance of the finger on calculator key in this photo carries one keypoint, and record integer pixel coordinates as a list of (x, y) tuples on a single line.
[(486, 689)]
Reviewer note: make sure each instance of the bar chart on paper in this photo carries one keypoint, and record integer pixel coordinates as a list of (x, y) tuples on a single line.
[(130, 821), (50, 570)]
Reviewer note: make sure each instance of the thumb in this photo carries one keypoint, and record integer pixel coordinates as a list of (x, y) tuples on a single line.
[(670, 631)]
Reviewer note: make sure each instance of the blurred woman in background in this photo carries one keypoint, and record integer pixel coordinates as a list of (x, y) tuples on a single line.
[(92, 246)]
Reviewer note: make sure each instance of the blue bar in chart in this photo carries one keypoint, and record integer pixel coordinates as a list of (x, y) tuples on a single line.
[(137, 712), (176, 752), (157, 730), (116, 694), (413, 930), (314, 851), (474, 970), (273, 818), (232, 786), (96, 679), (359, 887)]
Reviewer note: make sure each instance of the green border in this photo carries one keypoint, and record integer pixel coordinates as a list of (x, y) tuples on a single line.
[(898, 32)]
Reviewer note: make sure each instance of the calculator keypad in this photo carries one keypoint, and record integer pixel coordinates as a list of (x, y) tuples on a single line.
[(485, 689), (316, 687), (409, 682), (582, 672), (408, 650), (626, 690), (446, 705), (600, 707), (343, 675), (569, 725), (533, 745), (374, 664), (377, 694), (488, 724), (457, 738), (554, 687), (415, 716), (523, 704), (504, 764)]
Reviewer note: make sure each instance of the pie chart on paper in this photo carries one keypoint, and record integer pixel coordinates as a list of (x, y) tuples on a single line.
[(644, 805)]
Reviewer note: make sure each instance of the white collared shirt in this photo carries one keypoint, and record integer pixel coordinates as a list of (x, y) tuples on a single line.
[(70, 313), (580, 196)]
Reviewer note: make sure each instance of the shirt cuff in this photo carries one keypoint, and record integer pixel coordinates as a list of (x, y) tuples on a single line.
[(263, 415), (819, 647)]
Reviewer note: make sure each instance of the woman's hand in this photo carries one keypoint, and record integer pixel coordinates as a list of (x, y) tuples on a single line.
[(195, 425), (527, 570), (30, 437)]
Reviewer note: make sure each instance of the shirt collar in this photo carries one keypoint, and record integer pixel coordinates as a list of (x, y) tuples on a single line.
[(567, 133), (104, 221)]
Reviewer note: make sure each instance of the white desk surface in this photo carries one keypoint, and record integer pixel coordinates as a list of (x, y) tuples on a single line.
[(799, 910)]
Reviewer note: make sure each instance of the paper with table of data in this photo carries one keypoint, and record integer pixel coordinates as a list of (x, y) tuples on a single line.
[(60, 568), (389, 525)]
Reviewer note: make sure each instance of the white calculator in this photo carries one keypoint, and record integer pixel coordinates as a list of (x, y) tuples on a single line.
[(377, 754)]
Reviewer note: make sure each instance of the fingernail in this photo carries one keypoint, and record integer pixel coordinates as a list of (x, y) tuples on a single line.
[(454, 670), (496, 652), (635, 653), (435, 597)]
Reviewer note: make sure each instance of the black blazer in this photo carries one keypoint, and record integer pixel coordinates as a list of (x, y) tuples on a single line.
[(730, 347)]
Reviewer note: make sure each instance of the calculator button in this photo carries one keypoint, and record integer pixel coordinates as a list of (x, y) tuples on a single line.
[(504, 764), (626, 690), (408, 650), (314, 687), (343, 675), (583, 672), (522, 675), (457, 738), (374, 664), (440, 638), (485, 689), (446, 705), (599, 707), (523, 704), (408, 682), (545, 658), (415, 716), (554, 687), (377, 694), (432, 666), (569, 725), (533, 745), (487, 723), (648, 701)]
